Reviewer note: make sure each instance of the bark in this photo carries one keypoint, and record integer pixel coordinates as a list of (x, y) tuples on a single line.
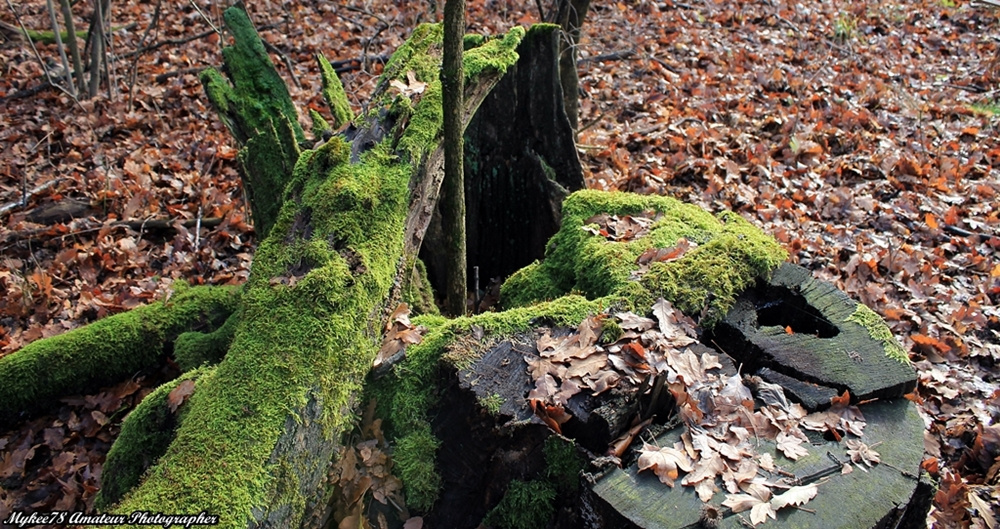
[(453, 189), (520, 163), (570, 17)]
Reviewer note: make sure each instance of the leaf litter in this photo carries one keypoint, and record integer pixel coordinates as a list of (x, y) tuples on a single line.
[(718, 449), (884, 183)]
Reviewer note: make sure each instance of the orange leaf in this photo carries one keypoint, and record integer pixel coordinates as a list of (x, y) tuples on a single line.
[(923, 339), (930, 465), (931, 221), (843, 400), (636, 349)]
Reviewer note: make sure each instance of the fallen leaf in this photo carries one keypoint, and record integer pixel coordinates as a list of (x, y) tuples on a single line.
[(665, 462), (179, 395)]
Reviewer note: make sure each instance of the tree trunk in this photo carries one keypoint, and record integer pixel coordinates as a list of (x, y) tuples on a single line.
[(453, 190), (570, 17)]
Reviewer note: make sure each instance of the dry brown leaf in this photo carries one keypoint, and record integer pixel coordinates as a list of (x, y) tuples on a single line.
[(794, 496), (179, 395), (862, 453), (791, 446), (665, 462)]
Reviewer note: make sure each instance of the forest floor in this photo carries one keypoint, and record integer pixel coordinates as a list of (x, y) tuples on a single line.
[(862, 135)]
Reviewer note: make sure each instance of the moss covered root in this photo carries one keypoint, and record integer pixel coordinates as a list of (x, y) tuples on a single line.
[(106, 351), (194, 349), (145, 435)]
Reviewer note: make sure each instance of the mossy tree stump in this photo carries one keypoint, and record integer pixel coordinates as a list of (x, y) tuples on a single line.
[(473, 450), (341, 223)]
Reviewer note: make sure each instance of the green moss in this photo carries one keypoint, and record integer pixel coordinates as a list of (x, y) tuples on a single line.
[(528, 285), (563, 463), (422, 55), (878, 330), (145, 435), (193, 349), (413, 458), (257, 94), (495, 55), (471, 41), (492, 403), (526, 505), (106, 351), (731, 254), (417, 290), (320, 127), (611, 331), (333, 92)]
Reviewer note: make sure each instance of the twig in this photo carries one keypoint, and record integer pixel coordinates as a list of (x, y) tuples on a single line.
[(541, 11), (33, 48), (198, 9), (26, 195), (21, 94), (613, 56), (185, 40), (164, 77), (142, 226), (592, 122), (142, 42)]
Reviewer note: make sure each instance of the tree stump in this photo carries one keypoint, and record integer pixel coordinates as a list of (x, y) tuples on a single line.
[(499, 461)]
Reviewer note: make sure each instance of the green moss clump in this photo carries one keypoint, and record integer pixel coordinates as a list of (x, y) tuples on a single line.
[(526, 505), (333, 92), (320, 127), (254, 76), (193, 349), (611, 331), (414, 463), (492, 403), (145, 436), (878, 330), (496, 55), (106, 351), (730, 255), (406, 397), (563, 463)]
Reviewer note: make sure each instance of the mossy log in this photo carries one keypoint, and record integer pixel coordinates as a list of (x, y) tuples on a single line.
[(341, 222), (106, 351), (471, 450)]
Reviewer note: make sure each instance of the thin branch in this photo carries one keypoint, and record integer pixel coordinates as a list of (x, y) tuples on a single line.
[(144, 227), (51, 8), (195, 5), (33, 48), (133, 74)]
